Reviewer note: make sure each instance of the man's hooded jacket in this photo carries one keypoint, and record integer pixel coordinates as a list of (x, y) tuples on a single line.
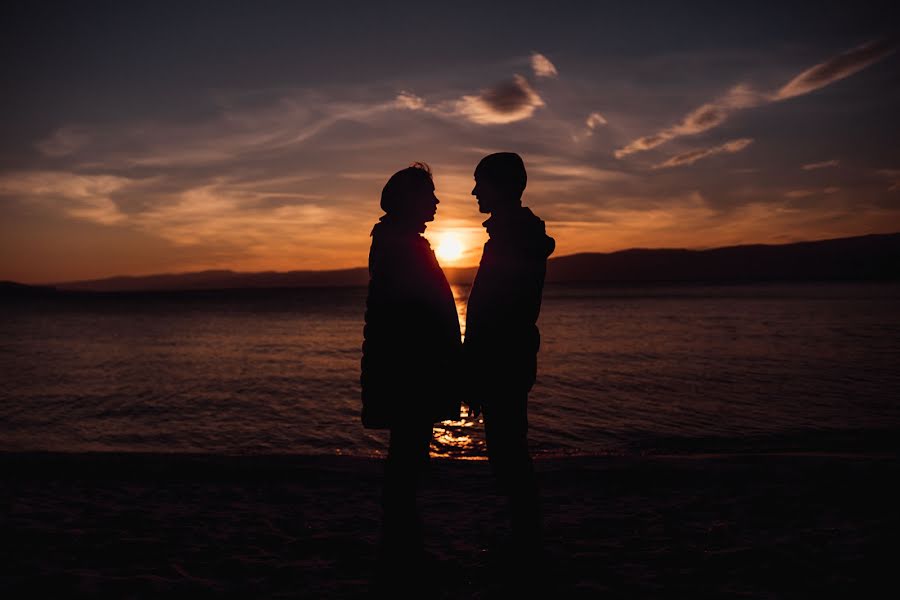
[(502, 338)]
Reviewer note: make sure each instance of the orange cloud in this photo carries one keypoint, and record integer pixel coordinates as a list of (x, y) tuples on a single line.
[(703, 118), (504, 103), (689, 158), (542, 66), (836, 68), (741, 97), (594, 120), (814, 192), (85, 197), (825, 164)]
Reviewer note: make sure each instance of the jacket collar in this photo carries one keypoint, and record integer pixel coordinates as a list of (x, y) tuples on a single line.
[(499, 224), (390, 225)]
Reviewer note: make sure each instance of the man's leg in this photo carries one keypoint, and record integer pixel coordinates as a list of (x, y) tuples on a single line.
[(506, 432)]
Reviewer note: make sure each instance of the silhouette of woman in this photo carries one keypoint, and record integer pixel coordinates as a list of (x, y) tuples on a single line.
[(411, 350)]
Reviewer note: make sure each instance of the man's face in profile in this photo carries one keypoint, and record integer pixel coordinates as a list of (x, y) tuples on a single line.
[(487, 194)]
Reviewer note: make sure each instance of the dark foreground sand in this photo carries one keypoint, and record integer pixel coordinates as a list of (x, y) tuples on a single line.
[(756, 526)]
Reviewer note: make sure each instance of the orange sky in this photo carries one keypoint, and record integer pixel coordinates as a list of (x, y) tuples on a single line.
[(267, 150)]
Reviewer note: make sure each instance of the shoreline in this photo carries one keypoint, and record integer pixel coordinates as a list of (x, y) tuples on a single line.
[(16, 464), (148, 525)]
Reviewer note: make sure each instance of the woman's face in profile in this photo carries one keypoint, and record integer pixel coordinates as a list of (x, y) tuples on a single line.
[(424, 203)]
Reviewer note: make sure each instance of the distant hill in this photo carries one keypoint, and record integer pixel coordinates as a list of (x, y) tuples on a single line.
[(869, 257), (217, 280)]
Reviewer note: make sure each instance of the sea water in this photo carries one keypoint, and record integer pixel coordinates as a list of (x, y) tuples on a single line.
[(706, 368)]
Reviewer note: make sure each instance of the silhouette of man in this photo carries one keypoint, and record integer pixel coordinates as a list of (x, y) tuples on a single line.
[(502, 338)]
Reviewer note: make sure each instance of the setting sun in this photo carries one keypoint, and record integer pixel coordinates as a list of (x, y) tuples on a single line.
[(450, 248)]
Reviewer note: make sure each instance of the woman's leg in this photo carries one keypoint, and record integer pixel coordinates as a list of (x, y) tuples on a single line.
[(407, 458)]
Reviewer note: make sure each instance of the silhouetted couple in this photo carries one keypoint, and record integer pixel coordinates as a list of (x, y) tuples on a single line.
[(415, 370)]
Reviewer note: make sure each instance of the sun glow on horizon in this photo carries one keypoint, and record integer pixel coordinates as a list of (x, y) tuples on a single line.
[(450, 248)]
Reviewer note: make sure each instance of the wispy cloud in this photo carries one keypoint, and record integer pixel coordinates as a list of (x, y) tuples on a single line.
[(625, 216), (278, 121), (835, 68), (692, 156), (741, 97), (550, 168), (220, 212), (409, 101), (542, 66), (254, 222), (806, 193), (825, 164), (701, 119), (593, 121), (506, 102), (85, 197)]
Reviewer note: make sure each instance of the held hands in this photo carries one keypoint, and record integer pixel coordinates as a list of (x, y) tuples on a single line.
[(470, 381)]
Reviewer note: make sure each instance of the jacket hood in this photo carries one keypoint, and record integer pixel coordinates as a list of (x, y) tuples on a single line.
[(523, 228)]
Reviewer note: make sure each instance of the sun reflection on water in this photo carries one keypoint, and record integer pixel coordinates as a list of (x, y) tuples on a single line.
[(457, 439), (460, 439)]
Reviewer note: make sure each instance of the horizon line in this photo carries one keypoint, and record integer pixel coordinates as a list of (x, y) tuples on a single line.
[(447, 267)]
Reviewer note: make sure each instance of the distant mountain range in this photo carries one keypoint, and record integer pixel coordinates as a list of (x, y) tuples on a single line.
[(868, 257)]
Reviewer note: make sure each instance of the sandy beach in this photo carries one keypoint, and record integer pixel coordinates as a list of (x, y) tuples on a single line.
[(137, 525)]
